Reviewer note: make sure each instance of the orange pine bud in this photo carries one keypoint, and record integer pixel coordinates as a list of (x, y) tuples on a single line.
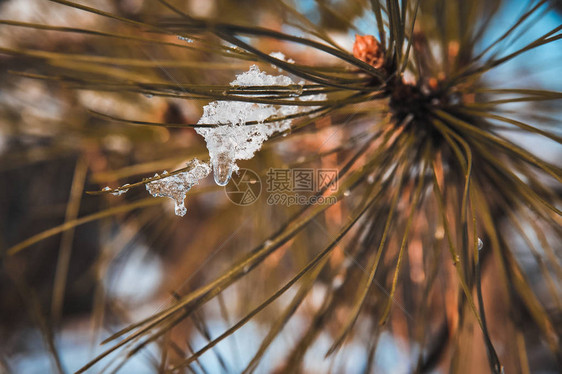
[(368, 49)]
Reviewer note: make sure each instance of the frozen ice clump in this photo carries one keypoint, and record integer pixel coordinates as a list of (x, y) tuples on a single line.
[(176, 186), (282, 57), (122, 190), (255, 77), (235, 140)]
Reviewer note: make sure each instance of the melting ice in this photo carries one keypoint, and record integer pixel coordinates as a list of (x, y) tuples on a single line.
[(232, 140), (176, 186), (235, 140)]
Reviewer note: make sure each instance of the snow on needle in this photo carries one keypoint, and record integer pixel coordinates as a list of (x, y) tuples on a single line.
[(235, 140)]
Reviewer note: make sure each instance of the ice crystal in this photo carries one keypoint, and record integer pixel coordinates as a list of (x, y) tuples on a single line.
[(123, 189), (282, 57), (235, 140), (185, 39), (175, 186), (256, 77), (118, 191)]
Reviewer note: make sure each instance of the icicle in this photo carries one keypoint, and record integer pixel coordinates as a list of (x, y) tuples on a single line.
[(222, 169), (180, 208), (176, 186)]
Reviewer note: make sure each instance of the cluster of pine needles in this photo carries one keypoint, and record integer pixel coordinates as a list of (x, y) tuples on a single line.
[(436, 202)]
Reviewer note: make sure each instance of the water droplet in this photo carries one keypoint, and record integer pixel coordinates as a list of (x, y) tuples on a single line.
[(187, 40), (106, 188), (246, 269), (149, 96), (480, 244), (180, 209), (297, 91), (347, 193), (371, 179), (267, 243), (222, 168), (121, 190)]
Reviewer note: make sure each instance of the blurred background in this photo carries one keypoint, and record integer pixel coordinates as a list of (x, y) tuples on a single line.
[(128, 256)]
